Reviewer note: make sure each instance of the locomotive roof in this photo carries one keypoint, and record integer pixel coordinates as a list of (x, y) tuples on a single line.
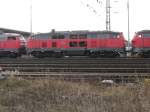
[(143, 31), (76, 32), (12, 34), (6, 30), (4, 35)]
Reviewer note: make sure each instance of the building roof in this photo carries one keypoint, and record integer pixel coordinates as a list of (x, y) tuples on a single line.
[(6, 30)]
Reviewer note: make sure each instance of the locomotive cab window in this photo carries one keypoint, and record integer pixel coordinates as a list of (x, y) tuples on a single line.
[(83, 44), (2, 37), (73, 44), (115, 35), (11, 38)]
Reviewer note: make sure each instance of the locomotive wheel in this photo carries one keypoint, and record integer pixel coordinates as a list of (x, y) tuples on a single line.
[(112, 55), (38, 55), (145, 55), (13, 55), (94, 55), (58, 55)]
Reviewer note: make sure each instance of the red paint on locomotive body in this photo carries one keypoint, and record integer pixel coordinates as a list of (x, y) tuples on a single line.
[(76, 43), (11, 45), (141, 43)]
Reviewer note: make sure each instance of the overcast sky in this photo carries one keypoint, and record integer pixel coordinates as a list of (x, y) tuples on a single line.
[(73, 15)]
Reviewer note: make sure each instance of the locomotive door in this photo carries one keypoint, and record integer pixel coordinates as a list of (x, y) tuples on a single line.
[(77, 45)]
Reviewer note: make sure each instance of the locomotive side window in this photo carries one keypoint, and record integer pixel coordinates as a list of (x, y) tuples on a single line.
[(58, 36), (82, 36), (73, 44), (54, 44), (114, 35), (61, 36), (107, 35), (73, 36), (11, 38), (83, 44), (92, 35)]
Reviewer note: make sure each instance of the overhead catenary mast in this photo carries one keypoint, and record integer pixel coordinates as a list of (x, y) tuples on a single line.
[(128, 22), (30, 16), (108, 24)]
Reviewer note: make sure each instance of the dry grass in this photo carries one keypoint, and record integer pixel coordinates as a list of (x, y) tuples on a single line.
[(18, 95)]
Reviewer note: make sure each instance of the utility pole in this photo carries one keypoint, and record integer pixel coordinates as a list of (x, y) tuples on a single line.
[(108, 25), (30, 16), (128, 8)]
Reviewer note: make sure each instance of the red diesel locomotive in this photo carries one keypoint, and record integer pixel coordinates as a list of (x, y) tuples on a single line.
[(77, 43), (11, 45), (141, 43)]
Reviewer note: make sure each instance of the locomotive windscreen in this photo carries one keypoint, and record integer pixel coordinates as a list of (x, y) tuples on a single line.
[(2, 36), (144, 33)]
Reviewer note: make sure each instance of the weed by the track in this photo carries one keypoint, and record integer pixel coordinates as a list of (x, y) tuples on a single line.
[(18, 95)]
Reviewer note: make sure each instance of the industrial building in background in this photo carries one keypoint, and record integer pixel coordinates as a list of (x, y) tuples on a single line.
[(6, 30)]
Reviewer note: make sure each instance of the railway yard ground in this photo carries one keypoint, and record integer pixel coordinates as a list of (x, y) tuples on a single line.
[(22, 95), (76, 68), (75, 85)]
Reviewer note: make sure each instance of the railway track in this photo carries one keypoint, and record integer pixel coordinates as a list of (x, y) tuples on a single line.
[(78, 68)]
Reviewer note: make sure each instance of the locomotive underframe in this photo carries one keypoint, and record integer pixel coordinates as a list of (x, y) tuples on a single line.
[(144, 52), (56, 52), (10, 52), (107, 52)]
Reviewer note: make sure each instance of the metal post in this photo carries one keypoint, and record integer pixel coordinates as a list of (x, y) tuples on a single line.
[(128, 8), (31, 16), (108, 27)]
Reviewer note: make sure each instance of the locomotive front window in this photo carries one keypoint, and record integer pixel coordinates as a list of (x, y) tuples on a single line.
[(2, 37), (147, 35), (73, 44)]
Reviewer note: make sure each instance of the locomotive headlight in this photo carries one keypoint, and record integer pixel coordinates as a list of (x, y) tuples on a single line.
[(139, 36), (118, 36)]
